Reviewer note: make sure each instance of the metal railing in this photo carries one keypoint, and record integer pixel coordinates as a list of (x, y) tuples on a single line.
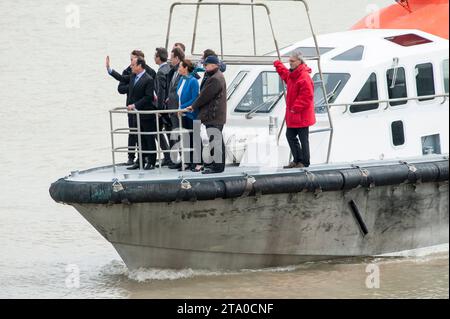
[(229, 59), (388, 102), (137, 131)]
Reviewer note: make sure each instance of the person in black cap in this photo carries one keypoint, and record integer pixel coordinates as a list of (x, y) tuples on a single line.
[(207, 53), (212, 107)]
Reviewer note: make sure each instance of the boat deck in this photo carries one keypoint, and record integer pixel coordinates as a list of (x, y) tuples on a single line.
[(106, 173)]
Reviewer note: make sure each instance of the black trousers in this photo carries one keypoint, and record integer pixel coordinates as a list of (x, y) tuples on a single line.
[(299, 152), (174, 138), (148, 124), (163, 144), (192, 140), (216, 166), (132, 138)]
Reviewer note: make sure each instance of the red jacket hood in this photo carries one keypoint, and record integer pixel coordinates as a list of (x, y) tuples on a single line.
[(301, 68)]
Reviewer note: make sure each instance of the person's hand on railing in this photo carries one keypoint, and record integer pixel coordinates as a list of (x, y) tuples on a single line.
[(189, 109), (131, 107)]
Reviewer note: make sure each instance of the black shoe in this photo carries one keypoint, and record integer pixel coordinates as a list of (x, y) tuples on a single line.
[(134, 167), (186, 168), (175, 166), (166, 162), (211, 171), (149, 167), (130, 161)]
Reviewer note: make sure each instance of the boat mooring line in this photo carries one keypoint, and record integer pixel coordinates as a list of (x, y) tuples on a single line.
[(249, 186), (413, 171), (117, 186)]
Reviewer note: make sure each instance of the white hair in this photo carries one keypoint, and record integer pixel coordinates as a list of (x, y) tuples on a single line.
[(298, 55)]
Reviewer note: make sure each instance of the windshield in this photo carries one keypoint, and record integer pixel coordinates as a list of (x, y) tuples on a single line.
[(235, 83), (334, 84), (264, 93)]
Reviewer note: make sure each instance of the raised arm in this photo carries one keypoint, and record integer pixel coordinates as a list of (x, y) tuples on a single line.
[(123, 78), (282, 70)]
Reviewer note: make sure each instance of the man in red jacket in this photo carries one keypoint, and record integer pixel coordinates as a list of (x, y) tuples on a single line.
[(299, 107)]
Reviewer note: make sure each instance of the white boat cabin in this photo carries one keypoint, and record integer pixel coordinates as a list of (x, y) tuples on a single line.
[(399, 80)]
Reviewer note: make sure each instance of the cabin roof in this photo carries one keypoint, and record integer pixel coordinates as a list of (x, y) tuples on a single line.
[(377, 48)]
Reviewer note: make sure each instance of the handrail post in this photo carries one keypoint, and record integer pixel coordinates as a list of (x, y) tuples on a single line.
[(158, 147), (113, 153), (220, 30), (169, 25), (324, 89), (279, 57), (194, 35), (253, 27), (180, 124), (138, 115)]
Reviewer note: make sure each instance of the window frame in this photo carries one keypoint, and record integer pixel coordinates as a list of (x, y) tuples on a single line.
[(378, 98), (443, 75), (247, 72), (336, 57), (343, 87), (397, 39), (405, 103), (272, 107), (424, 101), (405, 139)]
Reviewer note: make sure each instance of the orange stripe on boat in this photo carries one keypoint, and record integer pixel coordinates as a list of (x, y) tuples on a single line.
[(427, 15)]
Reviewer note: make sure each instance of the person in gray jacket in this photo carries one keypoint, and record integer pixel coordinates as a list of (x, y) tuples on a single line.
[(212, 107), (161, 89)]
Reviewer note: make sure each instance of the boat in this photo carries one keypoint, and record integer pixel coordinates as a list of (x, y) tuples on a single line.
[(377, 186)]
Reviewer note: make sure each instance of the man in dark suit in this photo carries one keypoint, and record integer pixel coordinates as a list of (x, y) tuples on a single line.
[(161, 90), (141, 97), (123, 88)]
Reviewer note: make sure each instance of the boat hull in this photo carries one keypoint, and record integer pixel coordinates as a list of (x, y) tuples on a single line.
[(275, 229)]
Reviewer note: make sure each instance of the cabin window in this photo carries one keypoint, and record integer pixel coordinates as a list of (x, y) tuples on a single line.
[(431, 144), (408, 40), (334, 84), (398, 133), (354, 54), (425, 80), (235, 83), (369, 92), (264, 93), (309, 52), (446, 76), (396, 81)]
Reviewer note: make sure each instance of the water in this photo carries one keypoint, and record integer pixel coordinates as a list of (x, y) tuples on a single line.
[(54, 98)]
